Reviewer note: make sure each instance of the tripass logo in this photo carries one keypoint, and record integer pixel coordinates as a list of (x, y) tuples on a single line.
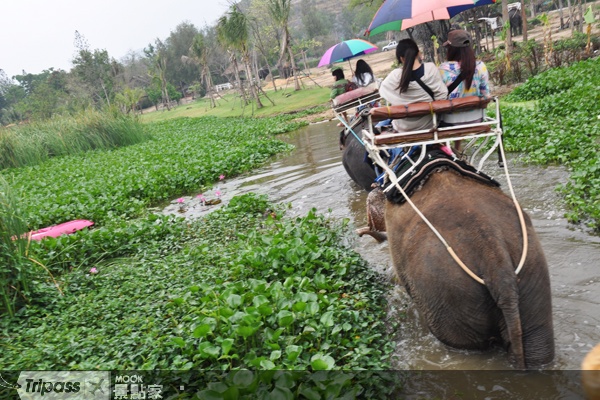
[(68, 385)]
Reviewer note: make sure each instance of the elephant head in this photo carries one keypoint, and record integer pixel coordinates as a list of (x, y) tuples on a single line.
[(481, 226)]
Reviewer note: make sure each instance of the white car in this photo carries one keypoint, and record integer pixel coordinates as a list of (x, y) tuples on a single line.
[(390, 46)]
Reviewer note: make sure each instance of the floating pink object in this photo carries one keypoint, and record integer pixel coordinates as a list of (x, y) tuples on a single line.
[(61, 229)]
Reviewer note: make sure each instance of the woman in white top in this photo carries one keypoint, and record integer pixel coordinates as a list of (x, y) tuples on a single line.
[(363, 75), (414, 82)]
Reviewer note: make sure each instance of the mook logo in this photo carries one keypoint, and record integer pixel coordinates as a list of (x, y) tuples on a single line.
[(68, 385)]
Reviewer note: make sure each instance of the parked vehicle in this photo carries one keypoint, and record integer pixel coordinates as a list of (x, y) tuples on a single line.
[(390, 46)]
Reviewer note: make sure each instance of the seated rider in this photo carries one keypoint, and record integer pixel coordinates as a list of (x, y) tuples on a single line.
[(340, 86), (413, 82)]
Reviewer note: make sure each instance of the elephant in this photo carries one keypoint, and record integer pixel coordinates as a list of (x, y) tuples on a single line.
[(481, 225), (354, 158), (516, 21)]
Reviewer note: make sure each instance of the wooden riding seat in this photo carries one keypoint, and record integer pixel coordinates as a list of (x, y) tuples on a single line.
[(433, 108)]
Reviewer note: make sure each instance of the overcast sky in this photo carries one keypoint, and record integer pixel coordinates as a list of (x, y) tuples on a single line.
[(39, 34)]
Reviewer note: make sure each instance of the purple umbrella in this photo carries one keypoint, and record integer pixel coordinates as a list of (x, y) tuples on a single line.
[(346, 50)]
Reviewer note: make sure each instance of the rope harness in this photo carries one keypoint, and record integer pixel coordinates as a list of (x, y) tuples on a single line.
[(374, 152)]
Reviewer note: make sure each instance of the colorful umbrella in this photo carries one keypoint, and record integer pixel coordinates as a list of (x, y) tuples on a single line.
[(346, 50), (397, 15)]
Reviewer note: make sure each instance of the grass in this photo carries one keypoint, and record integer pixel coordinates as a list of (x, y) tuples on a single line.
[(287, 101), (14, 266), (36, 142)]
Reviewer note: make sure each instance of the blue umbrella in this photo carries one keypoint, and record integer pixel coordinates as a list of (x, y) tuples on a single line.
[(346, 50)]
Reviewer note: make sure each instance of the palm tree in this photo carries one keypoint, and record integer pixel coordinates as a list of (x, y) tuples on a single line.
[(158, 57), (232, 31), (200, 54), (280, 12)]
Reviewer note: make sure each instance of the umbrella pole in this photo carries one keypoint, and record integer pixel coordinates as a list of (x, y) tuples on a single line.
[(350, 65)]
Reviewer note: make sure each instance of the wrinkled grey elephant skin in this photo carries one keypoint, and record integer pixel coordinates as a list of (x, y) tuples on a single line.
[(481, 224), (353, 159)]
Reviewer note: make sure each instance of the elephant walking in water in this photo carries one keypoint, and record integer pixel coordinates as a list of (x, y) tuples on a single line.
[(480, 223), (354, 159)]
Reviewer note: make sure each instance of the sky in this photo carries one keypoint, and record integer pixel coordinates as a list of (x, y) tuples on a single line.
[(39, 34)]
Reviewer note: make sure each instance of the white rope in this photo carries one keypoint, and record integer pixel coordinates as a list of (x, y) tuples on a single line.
[(394, 180), (519, 212)]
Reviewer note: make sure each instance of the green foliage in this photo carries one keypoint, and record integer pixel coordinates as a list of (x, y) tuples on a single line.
[(15, 268), (34, 143), (557, 80), (563, 128), (185, 156), (527, 60), (243, 288)]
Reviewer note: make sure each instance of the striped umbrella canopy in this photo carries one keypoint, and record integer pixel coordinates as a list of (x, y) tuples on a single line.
[(346, 50), (397, 15)]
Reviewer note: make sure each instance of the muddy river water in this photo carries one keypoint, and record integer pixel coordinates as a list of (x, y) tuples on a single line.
[(313, 176)]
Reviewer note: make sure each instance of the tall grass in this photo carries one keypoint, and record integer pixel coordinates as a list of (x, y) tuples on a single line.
[(14, 264), (36, 142)]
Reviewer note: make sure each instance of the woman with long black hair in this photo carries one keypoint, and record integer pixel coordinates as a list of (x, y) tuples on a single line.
[(464, 76), (413, 82), (363, 74)]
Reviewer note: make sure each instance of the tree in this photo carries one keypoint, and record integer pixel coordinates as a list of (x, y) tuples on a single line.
[(96, 70), (157, 55), (508, 35), (313, 21), (128, 99), (177, 45), (265, 36), (280, 12), (233, 34), (200, 51)]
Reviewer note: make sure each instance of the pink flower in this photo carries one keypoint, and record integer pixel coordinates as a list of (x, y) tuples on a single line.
[(217, 193), (221, 177), (180, 200), (201, 198), (93, 270)]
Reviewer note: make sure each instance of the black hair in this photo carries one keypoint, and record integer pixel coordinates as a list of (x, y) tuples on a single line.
[(338, 73), (362, 68), (466, 57), (407, 49)]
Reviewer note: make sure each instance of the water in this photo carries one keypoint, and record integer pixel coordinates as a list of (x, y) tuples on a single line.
[(312, 176)]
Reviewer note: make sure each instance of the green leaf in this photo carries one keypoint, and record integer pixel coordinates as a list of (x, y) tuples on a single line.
[(267, 364), (285, 318), (309, 393), (265, 310), (234, 300), (245, 331), (281, 393), (226, 345), (321, 362), (178, 341), (243, 378), (293, 352), (299, 306), (178, 301), (327, 319), (202, 331)]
